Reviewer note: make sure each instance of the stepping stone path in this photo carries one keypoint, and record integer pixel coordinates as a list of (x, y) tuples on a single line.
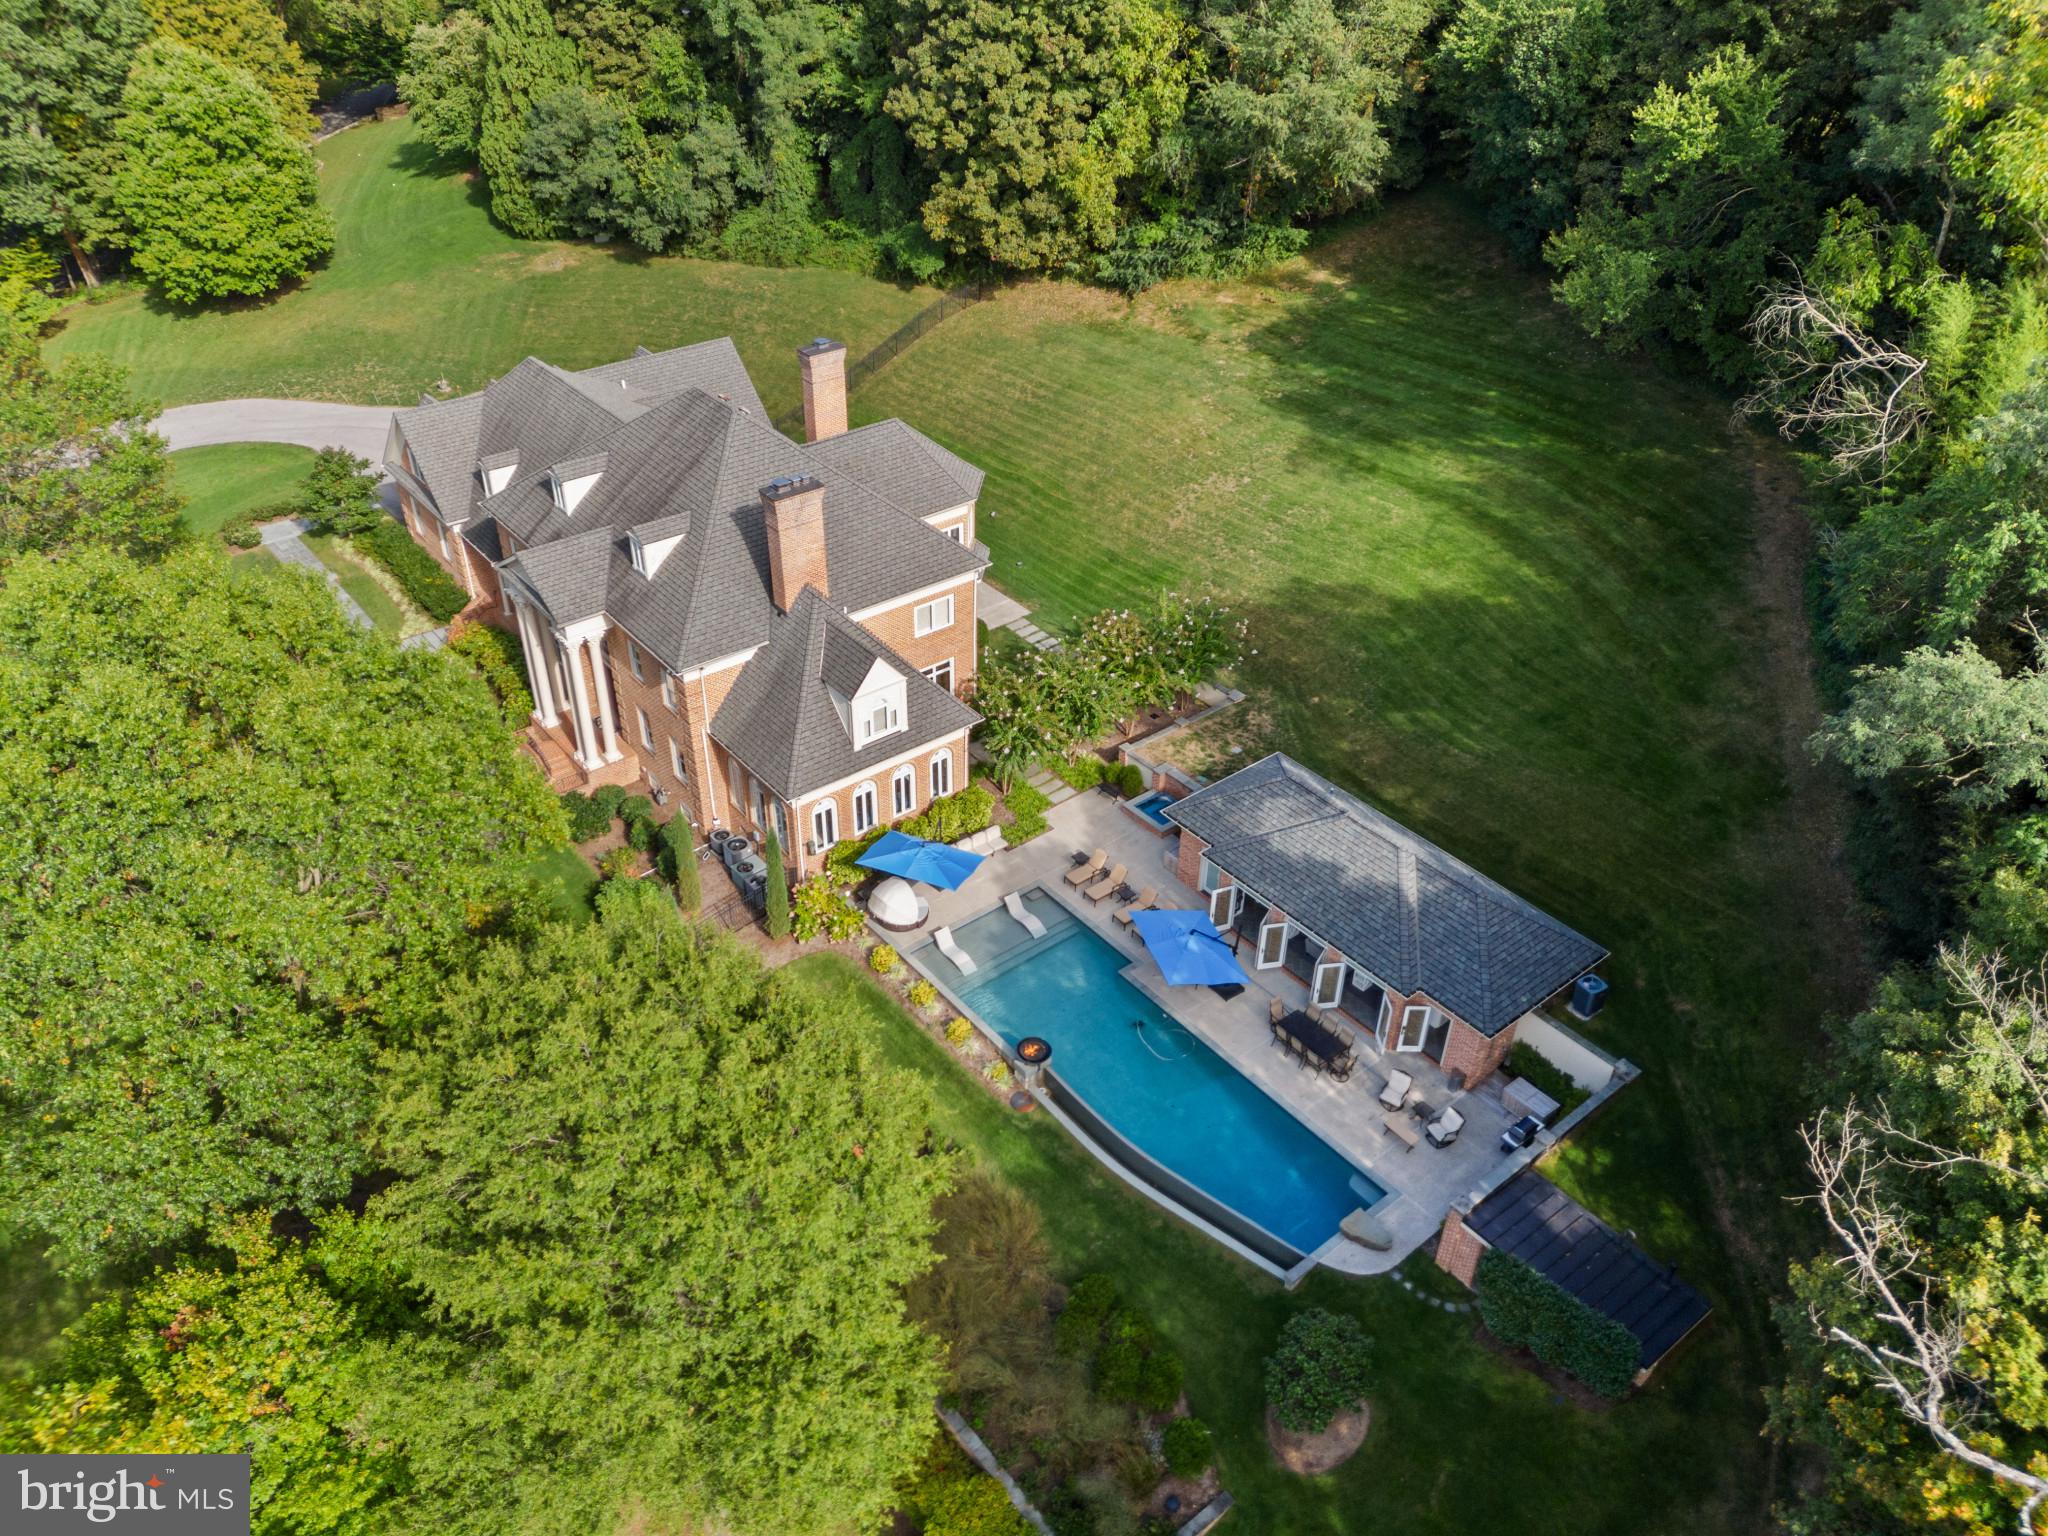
[(1032, 634), (1052, 786), (1430, 1301), (285, 539)]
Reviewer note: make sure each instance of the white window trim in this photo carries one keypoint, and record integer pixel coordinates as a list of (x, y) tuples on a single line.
[(441, 530), (1419, 1013), (866, 794), (1279, 950), (668, 689), (825, 824), (904, 778), (633, 659), (946, 667), (1332, 968), (1223, 900), (675, 761), (942, 769), (918, 625), (646, 728)]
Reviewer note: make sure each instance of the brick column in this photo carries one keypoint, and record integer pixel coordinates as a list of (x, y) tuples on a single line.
[(1458, 1248)]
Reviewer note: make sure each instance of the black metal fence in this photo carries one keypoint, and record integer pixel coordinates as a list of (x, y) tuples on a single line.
[(881, 355)]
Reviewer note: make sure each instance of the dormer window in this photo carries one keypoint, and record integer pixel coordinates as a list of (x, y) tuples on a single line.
[(570, 482), (880, 718), (876, 709), (496, 471)]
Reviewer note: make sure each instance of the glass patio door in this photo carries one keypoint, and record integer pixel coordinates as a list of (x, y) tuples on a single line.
[(1414, 1028), (1272, 945), (1328, 987), (1223, 907)]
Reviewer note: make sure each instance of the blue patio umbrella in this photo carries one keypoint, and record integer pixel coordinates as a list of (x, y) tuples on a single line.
[(896, 853), (1190, 952)]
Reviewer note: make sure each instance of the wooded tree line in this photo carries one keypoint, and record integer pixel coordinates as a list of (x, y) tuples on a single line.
[(456, 1216)]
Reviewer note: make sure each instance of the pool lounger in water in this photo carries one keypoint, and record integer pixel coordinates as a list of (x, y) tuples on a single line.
[(1014, 905), (962, 961)]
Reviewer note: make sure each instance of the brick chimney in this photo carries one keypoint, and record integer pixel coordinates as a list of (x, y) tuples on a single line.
[(796, 539), (823, 365)]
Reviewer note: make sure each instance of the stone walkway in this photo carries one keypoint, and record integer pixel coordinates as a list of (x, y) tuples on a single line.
[(1052, 786), (998, 610), (286, 541)]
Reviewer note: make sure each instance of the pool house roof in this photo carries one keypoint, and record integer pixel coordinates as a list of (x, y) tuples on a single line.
[(1417, 919)]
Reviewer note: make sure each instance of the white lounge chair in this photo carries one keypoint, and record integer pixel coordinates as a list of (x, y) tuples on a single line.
[(962, 961), (1014, 905), (1443, 1130), (1395, 1094)]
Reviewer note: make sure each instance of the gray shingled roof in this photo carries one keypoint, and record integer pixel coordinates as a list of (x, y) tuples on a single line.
[(686, 451), (447, 437), (779, 718), (1416, 918), (901, 463), (1533, 1220), (570, 576)]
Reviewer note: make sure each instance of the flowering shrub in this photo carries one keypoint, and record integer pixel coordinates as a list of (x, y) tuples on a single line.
[(617, 864), (958, 1033), (821, 912), (1046, 705), (923, 994), (999, 1072), (882, 960)]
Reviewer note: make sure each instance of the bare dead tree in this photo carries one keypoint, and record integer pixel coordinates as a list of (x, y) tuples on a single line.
[(1825, 375), (1916, 1346)]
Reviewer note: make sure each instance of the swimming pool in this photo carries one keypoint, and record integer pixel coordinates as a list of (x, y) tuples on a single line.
[(1157, 1085), (1151, 809)]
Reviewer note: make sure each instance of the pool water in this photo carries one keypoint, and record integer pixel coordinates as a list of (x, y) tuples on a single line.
[(1153, 808), (1163, 1090)]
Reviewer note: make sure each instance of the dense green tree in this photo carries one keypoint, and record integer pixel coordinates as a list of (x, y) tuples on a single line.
[(247, 1351), (1303, 104), (1902, 111), (1525, 87), (62, 66), (247, 35), (443, 83), (525, 61), (1997, 117), (78, 464), (357, 39), (666, 1203), (240, 842), (1030, 115), (222, 196), (340, 493)]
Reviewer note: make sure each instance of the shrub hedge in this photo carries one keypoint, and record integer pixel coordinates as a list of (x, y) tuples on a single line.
[(1187, 1447), (241, 532), (588, 817), (424, 581), (822, 913), (501, 660), (1028, 806), (945, 820), (1126, 1362), (1525, 1061), (1521, 1307)]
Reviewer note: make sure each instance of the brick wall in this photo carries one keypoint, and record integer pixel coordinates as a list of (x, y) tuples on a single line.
[(675, 725), (426, 532), (1458, 1248), (800, 823), (956, 641), (1470, 1052), (1189, 870)]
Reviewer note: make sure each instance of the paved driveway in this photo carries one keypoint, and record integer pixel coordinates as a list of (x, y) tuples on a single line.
[(360, 429)]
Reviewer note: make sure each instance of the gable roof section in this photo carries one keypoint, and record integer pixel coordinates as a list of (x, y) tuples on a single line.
[(570, 576), (901, 463), (779, 718), (1532, 1219), (1417, 918), (442, 437)]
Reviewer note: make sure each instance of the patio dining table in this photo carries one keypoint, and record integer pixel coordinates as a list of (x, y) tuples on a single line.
[(1320, 1040)]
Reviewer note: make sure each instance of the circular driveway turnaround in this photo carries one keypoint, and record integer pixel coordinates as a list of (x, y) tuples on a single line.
[(361, 429)]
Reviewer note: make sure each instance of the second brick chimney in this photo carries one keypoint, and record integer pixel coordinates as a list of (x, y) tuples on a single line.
[(796, 539), (823, 366)]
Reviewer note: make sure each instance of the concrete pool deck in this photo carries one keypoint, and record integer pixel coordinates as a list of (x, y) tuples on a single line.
[(1422, 1183)]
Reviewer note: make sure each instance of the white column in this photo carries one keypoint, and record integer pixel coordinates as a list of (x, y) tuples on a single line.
[(586, 745), (604, 698), (533, 637)]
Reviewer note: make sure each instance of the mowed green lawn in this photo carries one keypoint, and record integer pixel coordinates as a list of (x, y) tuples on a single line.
[(422, 287), (236, 480), (1506, 587)]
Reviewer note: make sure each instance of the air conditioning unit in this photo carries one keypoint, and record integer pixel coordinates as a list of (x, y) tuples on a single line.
[(1588, 997)]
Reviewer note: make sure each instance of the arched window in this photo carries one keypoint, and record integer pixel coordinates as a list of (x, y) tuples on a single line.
[(903, 791), (824, 825), (863, 808), (942, 775)]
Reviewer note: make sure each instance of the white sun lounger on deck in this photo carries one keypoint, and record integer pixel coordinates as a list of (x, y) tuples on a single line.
[(1014, 905), (962, 961)]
